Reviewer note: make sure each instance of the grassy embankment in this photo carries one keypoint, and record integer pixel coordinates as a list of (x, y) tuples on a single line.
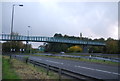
[(0, 66), (7, 70), (15, 69)]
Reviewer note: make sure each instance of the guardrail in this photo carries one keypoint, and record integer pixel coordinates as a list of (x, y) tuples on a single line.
[(86, 57), (61, 71)]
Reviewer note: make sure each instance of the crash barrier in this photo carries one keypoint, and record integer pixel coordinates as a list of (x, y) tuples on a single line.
[(60, 71)]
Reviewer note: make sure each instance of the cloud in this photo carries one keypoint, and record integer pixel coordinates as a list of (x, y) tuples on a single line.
[(96, 19), (113, 30)]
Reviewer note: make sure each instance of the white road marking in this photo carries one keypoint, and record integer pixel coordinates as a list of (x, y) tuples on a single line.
[(40, 59), (98, 70), (35, 59), (54, 62)]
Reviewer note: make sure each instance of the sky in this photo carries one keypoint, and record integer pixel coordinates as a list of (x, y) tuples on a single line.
[(92, 19)]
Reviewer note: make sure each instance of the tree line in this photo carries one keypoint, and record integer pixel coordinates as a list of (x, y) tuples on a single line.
[(15, 46), (112, 45)]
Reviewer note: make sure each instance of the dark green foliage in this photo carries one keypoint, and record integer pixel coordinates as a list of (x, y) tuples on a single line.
[(96, 49), (119, 46), (112, 45), (17, 45), (56, 47)]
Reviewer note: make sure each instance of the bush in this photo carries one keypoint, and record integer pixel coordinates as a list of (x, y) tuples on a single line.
[(75, 49)]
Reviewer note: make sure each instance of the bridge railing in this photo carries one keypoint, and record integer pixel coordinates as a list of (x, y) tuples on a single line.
[(8, 37)]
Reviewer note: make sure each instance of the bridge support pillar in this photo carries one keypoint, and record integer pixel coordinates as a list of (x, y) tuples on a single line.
[(85, 49), (27, 47)]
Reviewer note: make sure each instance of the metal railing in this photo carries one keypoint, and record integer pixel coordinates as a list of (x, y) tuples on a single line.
[(85, 57), (59, 70), (7, 37)]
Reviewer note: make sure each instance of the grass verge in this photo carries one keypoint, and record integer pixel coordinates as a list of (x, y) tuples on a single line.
[(15, 69), (7, 71), (82, 59)]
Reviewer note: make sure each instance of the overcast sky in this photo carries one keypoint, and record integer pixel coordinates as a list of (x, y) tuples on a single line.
[(96, 19)]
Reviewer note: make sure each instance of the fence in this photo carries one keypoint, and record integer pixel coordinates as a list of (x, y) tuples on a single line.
[(60, 71)]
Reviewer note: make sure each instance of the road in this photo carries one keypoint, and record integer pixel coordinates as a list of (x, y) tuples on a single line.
[(98, 71), (86, 57)]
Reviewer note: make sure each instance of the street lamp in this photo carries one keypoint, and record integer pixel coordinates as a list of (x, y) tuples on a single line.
[(28, 46), (13, 9), (28, 30)]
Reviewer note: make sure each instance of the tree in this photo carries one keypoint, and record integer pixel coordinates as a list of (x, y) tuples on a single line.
[(111, 45), (55, 47), (75, 49), (96, 49), (58, 35), (17, 45), (119, 46)]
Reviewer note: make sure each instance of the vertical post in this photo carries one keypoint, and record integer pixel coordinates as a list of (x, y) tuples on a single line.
[(12, 20), (26, 60), (12, 25), (47, 67), (26, 46), (34, 64), (10, 56), (59, 74), (28, 40), (85, 48)]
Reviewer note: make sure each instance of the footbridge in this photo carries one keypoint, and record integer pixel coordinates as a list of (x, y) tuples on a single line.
[(8, 37)]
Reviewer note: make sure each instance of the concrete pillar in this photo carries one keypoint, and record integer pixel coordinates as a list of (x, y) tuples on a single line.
[(27, 47), (85, 49)]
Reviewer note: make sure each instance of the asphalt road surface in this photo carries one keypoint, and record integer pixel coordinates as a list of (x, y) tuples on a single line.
[(99, 71), (86, 57)]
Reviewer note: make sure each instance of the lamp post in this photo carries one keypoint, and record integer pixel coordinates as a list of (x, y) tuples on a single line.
[(12, 21), (28, 30), (28, 39)]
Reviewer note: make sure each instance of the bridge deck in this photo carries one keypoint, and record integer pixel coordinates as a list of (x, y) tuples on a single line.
[(7, 37)]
